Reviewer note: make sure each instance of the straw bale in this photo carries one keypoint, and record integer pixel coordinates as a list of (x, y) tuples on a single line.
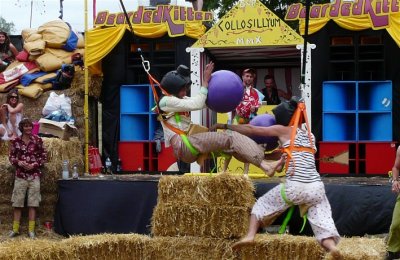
[(223, 189), (282, 247), (94, 85), (6, 211), (185, 219), (5, 198), (4, 148), (135, 246), (354, 248), (191, 248), (36, 249), (6, 175), (109, 246)]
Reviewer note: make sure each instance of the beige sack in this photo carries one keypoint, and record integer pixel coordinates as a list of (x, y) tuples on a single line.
[(35, 47), (33, 37), (48, 62), (55, 33), (32, 91), (5, 87), (25, 33)]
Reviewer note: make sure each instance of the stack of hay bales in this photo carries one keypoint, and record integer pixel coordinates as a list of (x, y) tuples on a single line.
[(201, 217), (216, 207), (57, 150), (196, 217)]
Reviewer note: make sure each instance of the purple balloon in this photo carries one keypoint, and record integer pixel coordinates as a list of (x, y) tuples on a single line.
[(265, 120), (225, 91)]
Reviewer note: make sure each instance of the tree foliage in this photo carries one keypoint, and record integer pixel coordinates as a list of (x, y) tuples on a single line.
[(9, 28)]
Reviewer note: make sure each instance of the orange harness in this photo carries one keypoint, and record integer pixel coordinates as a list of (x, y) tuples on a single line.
[(298, 118), (162, 118)]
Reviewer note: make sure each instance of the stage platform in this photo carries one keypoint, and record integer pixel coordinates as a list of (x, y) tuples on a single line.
[(124, 204)]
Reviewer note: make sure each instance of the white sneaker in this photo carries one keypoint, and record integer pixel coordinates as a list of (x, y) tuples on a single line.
[(31, 234), (13, 234)]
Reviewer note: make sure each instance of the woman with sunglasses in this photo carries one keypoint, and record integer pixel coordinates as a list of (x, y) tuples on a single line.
[(11, 115)]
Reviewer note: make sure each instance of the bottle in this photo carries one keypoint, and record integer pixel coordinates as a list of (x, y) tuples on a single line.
[(71, 120), (75, 174), (119, 165), (65, 170), (108, 165)]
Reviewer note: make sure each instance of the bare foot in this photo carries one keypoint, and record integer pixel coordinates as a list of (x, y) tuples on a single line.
[(336, 254), (242, 242), (271, 167), (9, 132)]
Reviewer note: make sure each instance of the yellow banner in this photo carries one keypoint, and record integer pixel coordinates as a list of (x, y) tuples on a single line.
[(378, 12), (176, 19), (249, 23)]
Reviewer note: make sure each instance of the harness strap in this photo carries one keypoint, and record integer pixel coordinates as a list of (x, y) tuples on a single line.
[(178, 131), (182, 134), (299, 116), (289, 214)]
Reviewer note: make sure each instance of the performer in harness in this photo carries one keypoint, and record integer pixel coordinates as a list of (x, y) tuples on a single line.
[(303, 185), (188, 144)]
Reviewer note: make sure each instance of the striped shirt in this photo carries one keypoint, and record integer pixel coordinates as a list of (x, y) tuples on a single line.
[(301, 167)]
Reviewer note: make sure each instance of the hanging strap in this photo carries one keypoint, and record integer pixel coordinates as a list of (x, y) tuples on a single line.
[(289, 215), (181, 133), (299, 116), (153, 81)]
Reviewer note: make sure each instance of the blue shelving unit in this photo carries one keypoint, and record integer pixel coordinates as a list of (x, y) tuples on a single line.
[(357, 111), (138, 122)]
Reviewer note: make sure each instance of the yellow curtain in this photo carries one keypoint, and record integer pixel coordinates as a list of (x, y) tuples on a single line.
[(394, 29), (354, 24), (100, 41)]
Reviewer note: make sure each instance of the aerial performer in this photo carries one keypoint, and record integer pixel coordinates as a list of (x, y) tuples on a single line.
[(303, 185), (174, 107)]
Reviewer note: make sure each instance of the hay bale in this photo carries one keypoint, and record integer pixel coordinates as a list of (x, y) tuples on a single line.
[(135, 246), (268, 246), (223, 189), (33, 249), (107, 246), (288, 247), (171, 219), (215, 207), (354, 248), (191, 248)]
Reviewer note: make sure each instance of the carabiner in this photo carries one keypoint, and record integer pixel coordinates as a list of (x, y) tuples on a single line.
[(145, 63)]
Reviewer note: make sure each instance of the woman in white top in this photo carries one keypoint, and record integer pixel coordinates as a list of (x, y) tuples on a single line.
[(11, 115)]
